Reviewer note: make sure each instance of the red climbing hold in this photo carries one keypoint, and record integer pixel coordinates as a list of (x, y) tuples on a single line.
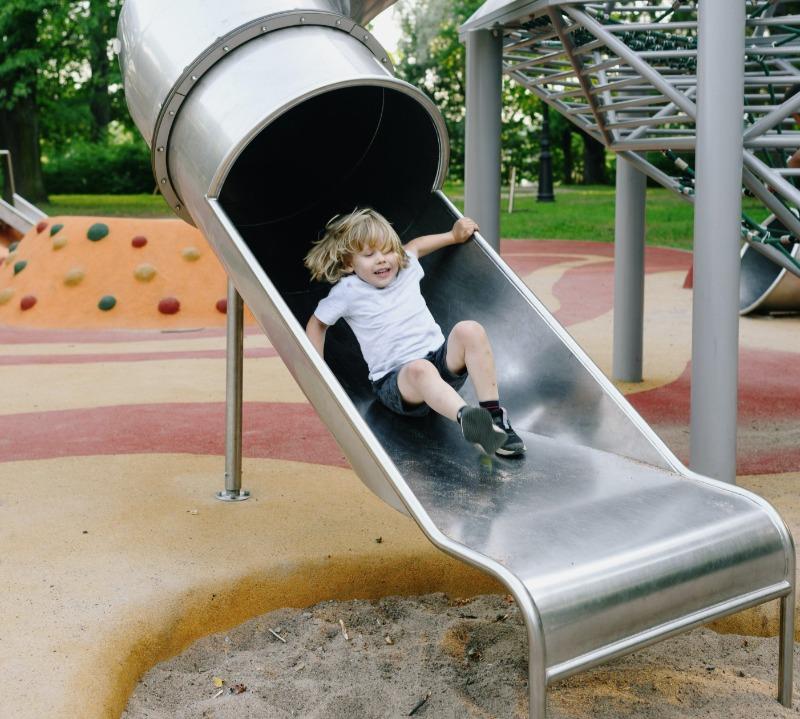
[(222, 306), (41, 227), (27, 302), (169, 306), (139, 241)]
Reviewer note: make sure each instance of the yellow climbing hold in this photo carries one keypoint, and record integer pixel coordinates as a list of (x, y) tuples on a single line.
[(190, 254), (144, 272), (59, 242), (74, 276), (6, 295)]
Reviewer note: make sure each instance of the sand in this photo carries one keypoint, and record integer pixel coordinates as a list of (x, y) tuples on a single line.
[(468, 657)]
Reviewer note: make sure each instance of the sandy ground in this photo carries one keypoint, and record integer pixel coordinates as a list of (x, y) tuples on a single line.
[(79, 629), (341, 660)]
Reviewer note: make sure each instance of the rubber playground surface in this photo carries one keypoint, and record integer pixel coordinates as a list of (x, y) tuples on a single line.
[(116, 554)]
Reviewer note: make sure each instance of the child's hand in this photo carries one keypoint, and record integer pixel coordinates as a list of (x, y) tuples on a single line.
[(463, 229)]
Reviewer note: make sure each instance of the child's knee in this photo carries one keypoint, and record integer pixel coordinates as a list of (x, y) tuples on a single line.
[(470, 332), (419, 370)]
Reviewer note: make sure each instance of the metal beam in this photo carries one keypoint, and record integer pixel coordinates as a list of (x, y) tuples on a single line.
[(718, 179), (629, 272), (484, 104)]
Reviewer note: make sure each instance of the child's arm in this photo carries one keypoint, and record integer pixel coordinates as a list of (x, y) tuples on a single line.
[(462, 230), (316, 333)]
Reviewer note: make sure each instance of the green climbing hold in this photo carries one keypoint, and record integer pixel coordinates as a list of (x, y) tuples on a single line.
[(13, 246), (97, 231), (107, 303), (55, 229), (19, 266)]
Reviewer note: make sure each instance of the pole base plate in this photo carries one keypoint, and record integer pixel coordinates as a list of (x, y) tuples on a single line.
[(227, 495)]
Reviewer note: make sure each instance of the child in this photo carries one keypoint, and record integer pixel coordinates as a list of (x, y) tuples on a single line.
[(411, 366)]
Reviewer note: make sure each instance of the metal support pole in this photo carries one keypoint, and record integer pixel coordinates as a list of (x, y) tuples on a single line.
[(233, 491), (482, 133), (629, 272), (545, 193), (786, 650), (718, 179)]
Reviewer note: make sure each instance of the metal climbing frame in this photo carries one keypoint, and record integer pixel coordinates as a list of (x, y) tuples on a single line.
[(626, 73)]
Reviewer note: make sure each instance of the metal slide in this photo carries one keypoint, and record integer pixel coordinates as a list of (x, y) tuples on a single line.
[(265, 125), (19, 213)]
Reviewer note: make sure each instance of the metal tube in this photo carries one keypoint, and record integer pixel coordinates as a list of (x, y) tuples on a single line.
[(233, 491), (771, 202), (715, 314), (780, 184), (628, 272), (484, 105), (773, 118), (566, 40), (662, 178), (633, 59), (786, 650)]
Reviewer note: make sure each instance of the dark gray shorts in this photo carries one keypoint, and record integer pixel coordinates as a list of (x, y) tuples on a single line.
[(388, 392)]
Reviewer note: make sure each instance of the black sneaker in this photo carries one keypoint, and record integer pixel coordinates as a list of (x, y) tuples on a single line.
[(513, 446), (477, 427)]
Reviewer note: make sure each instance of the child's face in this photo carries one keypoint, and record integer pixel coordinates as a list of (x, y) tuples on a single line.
[(376, 266)]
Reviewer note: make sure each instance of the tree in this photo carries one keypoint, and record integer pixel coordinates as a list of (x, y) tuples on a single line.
[(20, 59), (433, 58), (80, 83), (594, 161)]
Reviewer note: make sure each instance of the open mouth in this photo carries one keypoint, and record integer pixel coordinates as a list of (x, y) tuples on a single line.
[(382, 273)]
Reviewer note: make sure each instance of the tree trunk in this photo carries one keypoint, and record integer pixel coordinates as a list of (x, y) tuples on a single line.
[(19, 133), (594, 161), (568, 166)]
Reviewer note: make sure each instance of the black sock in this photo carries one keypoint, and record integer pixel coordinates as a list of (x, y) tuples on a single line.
[(493, 405)]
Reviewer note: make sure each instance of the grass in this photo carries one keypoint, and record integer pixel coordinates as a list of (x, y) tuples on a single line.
[(579, 213), (108, 205), (587, 213)]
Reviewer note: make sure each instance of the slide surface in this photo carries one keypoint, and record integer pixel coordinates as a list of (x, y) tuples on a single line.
[(598, 520)]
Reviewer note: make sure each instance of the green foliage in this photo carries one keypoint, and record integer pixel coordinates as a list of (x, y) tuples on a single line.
[(432, 58), (59, 81), (100, 168), (79, 80), (21, 55)]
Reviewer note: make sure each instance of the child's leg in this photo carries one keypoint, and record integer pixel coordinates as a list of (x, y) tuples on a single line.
[(468, 347), (419, 381)]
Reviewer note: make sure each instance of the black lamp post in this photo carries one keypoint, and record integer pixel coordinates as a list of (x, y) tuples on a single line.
[(545, 193)]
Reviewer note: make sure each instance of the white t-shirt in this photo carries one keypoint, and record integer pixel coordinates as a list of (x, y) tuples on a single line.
[(393, 325)]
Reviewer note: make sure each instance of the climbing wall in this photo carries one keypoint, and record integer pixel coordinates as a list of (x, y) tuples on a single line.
[(87, 272)]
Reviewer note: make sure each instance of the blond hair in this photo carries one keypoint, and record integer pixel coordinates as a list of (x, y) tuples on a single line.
[(347, 235)]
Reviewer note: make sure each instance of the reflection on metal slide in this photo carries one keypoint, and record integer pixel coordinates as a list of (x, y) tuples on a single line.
[(626, 74), (19, 213), (262, 128)]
